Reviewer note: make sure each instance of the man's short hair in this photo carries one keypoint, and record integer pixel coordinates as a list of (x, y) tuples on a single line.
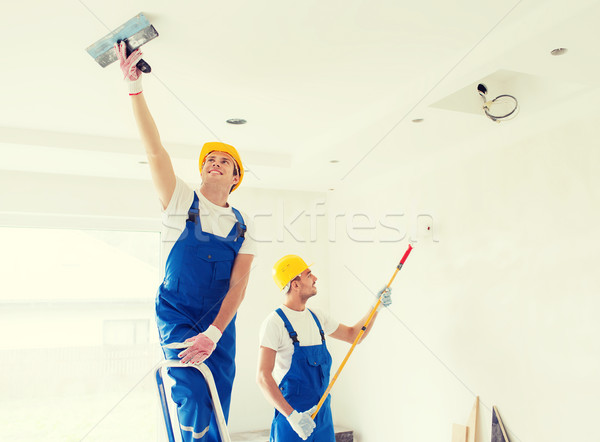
[(288, 287)]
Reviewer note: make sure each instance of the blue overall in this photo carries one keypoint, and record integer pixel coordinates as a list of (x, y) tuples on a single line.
[(196, 280), (302, 387)]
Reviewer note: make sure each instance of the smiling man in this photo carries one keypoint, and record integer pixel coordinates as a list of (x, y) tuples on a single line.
[(294, 363), (209, 255)]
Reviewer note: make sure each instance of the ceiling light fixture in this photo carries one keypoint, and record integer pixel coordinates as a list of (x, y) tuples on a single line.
[(500, 108), (236, 121), (558, 51)]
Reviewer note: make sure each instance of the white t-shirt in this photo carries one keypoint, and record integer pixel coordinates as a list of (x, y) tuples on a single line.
[(274, 335), (214, 219)]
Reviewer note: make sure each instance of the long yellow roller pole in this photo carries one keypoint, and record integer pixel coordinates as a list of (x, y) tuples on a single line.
[(360, 333)]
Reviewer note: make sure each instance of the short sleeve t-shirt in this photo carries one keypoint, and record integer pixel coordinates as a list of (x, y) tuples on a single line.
[(274, 335), (214, 219)]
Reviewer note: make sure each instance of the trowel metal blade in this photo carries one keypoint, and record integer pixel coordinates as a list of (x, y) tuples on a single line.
[(135, 32)]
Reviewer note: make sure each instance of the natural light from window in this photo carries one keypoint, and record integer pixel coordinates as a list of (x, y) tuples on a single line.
[(79, 336)]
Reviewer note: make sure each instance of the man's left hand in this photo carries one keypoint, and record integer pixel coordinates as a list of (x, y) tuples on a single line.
[(385, 295)]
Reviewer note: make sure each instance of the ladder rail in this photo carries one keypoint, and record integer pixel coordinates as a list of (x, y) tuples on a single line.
[(210, 382)]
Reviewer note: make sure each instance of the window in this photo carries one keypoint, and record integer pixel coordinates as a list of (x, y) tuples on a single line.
[(121, 332), (79, 335)]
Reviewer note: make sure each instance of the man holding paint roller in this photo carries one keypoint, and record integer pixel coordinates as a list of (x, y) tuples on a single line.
[(209, 255), (294, 363)]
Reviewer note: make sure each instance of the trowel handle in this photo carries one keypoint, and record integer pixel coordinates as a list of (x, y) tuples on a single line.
[(144, 67), (141, 65)]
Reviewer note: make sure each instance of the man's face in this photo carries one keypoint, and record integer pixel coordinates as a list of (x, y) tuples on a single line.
[(219, 167), (307, 283)]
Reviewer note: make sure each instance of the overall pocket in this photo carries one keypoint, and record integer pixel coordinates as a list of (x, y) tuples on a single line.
[(220, 263)]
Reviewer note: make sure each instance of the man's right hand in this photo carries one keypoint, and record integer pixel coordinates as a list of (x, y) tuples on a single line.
[(202, 346), (131, 73), (302, 423)]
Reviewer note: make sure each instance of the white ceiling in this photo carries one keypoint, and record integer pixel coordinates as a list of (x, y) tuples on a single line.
[(317, 81)]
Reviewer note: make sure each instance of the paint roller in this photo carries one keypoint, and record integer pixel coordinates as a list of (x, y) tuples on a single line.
[(135, 33), (362, 330)]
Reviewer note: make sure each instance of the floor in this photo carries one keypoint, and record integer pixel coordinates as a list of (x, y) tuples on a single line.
[(341, 435)]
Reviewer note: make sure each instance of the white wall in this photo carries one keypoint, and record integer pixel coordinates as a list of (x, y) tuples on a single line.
[(502, 306), (53, 200)]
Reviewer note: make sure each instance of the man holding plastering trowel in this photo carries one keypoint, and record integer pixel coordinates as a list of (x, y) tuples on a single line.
[(294, 363), (207, 268)]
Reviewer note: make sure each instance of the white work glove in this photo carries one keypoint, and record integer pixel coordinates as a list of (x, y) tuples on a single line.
[(202, 347), (385, 294), (302, 423), (131, 73)]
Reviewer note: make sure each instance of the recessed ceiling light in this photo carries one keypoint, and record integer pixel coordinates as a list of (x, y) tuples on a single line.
[(418, 120), (236, 121), (559, 51), (332, 189), (334, 161)]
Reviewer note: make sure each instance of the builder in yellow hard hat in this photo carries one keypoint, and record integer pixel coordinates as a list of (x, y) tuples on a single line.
[(209, 255), (294, 363)]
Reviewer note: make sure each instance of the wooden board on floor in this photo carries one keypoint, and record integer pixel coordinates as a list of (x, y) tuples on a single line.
[(468, 433), (472, 422), (459, 433), (498, 430)]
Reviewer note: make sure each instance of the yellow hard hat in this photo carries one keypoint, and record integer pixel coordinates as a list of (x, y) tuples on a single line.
[(287, 268), (213, 146)]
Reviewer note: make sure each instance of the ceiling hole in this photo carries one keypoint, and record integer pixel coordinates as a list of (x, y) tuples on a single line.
[(236, 121)]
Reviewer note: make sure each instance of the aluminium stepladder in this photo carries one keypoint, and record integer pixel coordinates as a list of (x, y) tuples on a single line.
[(216, 402)]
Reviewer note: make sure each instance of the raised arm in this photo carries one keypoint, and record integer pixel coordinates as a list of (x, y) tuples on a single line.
[(161, 168), (349, 333)]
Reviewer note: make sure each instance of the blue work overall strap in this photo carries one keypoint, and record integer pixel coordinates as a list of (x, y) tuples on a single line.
[(240, 227), (238, 230), (288, 327), (318, 325), (194, 211)]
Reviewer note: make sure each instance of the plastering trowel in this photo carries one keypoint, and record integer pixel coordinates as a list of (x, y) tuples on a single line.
[(134, 33)]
